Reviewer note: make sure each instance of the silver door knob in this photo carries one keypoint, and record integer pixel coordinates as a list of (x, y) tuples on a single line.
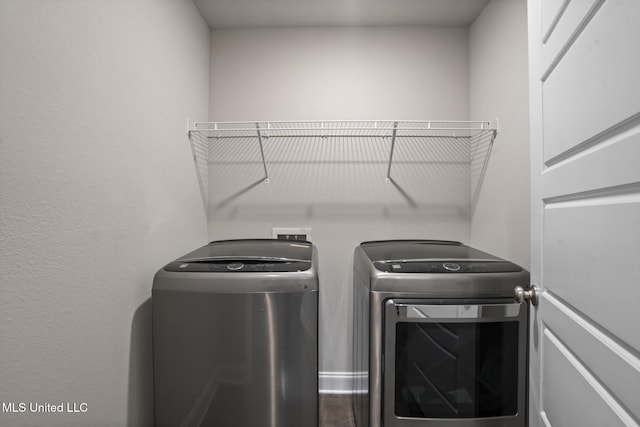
[(530, 294)]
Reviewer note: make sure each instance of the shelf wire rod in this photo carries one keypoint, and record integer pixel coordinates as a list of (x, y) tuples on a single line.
[(480, 180), (393, 145), (196, 162), (264, 163)]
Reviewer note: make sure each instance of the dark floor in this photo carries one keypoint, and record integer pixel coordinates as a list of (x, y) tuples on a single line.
[(335, 410)]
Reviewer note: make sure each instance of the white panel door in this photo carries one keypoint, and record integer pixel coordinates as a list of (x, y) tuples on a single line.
[(585, 136)]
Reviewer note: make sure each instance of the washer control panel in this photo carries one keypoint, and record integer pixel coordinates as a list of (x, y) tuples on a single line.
[(221, 266)]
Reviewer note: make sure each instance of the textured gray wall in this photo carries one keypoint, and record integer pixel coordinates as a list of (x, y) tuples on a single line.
[(98, 192)]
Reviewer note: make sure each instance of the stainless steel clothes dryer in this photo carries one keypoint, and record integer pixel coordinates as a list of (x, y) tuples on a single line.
[(439, 339), (235, 336)]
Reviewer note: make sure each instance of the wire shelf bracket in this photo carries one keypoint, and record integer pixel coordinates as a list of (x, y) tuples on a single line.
[(264, 163)]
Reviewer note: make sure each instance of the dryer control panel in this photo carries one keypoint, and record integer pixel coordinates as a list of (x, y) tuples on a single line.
[(447, 266)]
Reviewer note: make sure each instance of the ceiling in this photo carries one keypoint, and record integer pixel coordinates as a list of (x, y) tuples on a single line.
[(303, 13)]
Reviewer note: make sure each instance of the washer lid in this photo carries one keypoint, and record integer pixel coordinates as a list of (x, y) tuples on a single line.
[(247, 255), (433, 256)]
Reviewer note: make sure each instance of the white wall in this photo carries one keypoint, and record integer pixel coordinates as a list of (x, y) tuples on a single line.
[(337, 187), (339, 73), (98, 191), (499, 88)]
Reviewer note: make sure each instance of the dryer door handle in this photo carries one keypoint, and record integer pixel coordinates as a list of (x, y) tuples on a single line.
[(438, 312)]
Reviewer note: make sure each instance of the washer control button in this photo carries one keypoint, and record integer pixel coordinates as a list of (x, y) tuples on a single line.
[(235, 266), (451, 266)]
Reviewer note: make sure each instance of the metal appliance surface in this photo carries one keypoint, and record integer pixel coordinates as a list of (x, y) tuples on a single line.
[(439, 339), (235, 336)]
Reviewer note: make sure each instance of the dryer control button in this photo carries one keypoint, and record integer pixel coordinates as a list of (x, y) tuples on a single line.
[(234, 266), (450, 266)]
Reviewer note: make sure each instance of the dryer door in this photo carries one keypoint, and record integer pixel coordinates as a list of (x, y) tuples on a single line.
[(461, 364)]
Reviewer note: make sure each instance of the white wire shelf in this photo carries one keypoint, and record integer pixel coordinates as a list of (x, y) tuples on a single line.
[(478, 137), (343, 128)]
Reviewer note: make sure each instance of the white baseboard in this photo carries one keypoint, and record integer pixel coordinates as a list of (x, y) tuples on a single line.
[(337, 382)]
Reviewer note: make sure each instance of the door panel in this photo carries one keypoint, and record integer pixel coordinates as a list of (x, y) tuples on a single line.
[(567, 380), (609, 361), (585, 151), (611, 165), (595, 85), (585, 261)]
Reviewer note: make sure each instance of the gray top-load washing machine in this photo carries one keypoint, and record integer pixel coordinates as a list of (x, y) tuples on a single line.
[(235, 336), (439, 338)]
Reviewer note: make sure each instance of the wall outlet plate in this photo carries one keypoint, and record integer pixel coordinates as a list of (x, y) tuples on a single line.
[(289, 233)]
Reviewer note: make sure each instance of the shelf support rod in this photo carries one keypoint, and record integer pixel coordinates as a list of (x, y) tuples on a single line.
[(393, 145), (264, 163)]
